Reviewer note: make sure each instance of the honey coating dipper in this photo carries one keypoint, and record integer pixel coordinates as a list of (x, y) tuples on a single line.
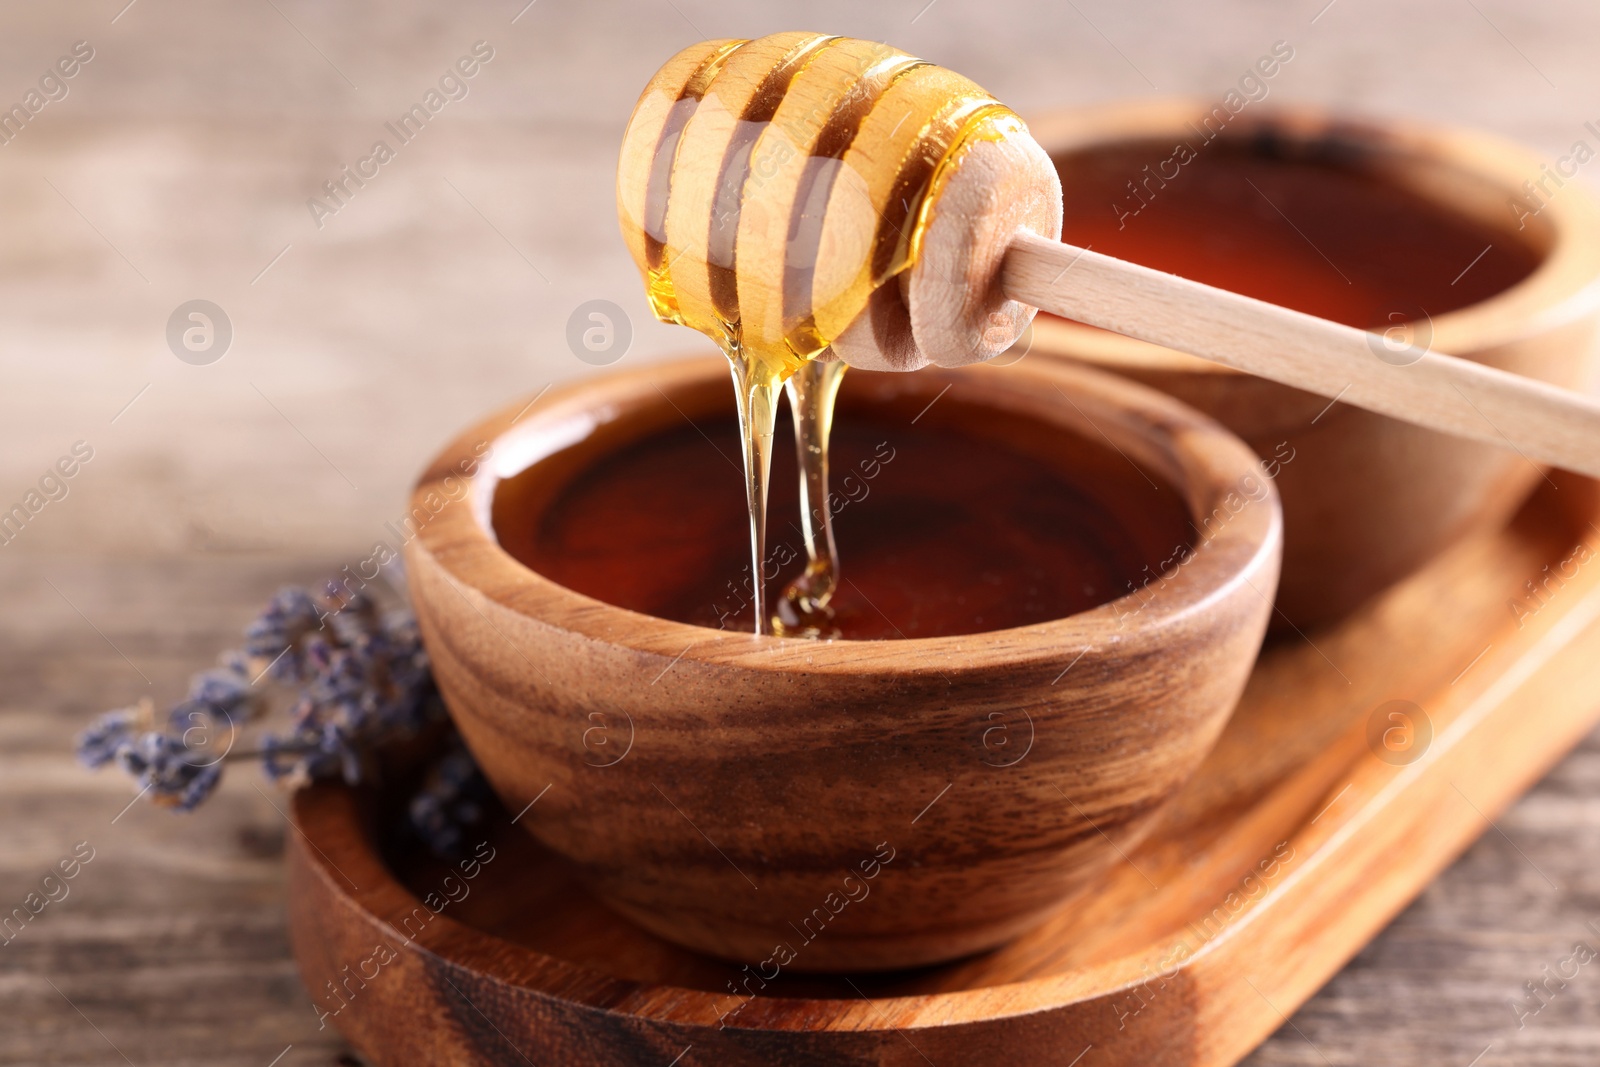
[(813, 197)]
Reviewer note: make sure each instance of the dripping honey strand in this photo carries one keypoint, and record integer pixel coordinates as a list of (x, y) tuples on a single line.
[(769, 190)]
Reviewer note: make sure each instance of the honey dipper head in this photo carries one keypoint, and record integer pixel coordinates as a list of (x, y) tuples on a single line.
[(799, 193)]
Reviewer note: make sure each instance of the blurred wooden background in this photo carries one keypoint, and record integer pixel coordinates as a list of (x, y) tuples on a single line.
[(178, 166)]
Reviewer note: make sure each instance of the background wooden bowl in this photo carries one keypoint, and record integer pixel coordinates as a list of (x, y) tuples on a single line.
[(766, 780), (1366, 499)]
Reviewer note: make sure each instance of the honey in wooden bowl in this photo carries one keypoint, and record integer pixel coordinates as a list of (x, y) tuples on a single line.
[(1306, 229), (1056, 581), (746, 775), (947, 527), (1429, 236)]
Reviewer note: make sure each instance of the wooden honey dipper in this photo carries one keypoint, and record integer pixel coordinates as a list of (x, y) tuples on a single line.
[(771, 190)]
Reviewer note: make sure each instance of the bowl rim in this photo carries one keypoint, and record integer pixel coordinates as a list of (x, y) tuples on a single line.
[(1200, 459), (1563, 287)]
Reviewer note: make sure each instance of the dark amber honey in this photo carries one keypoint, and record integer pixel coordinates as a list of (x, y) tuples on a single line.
[(949, 526), (1317, 230)]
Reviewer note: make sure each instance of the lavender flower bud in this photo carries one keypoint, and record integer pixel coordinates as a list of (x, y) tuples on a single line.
[(99, 744)]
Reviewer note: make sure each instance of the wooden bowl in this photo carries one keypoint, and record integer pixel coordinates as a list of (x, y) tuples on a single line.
[(1366, 499), (845, 799), (1300, 837)]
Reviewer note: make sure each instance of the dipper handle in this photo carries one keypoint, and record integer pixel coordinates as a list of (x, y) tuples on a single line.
[(1545, 423)]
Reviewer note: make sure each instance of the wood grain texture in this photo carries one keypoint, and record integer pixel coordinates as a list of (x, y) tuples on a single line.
[(192, 143), (998, 192), (766, 775), (171, 942), (1305, 831)]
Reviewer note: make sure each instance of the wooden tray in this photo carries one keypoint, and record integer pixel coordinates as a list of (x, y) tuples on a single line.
[(1316, 819)]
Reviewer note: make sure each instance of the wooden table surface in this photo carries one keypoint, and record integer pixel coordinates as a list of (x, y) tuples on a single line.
[(178, 166)]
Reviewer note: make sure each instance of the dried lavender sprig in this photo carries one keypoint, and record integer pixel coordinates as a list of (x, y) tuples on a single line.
[(454, 797), (100, 743), (164, 768), (356, 677)]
